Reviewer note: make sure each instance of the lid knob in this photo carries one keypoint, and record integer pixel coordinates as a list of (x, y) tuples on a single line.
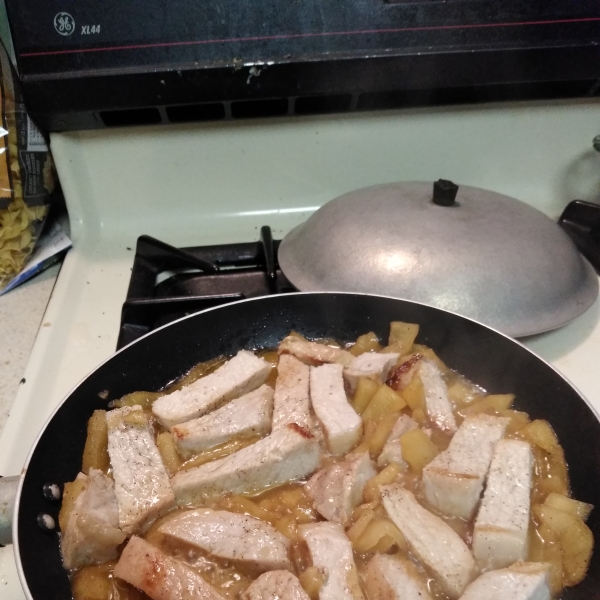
[(444, 192)]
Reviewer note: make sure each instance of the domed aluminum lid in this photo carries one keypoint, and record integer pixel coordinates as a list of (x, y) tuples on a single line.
[(475, 252)]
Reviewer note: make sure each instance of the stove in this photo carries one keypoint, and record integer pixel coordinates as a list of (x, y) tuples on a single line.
[(216, 185)]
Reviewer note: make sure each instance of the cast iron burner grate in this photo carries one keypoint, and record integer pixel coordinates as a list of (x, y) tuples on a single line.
[(581, 220), (168, 283)]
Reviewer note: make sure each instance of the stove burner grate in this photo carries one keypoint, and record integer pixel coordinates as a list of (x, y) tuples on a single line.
[(168, 283)]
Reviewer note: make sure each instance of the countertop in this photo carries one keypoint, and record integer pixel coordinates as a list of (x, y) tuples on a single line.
[(21, 313)]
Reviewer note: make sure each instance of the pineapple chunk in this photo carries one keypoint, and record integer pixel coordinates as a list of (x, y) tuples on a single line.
[(518, 419), (417, 449), (369, 342), (70, 493), (551, 472), (365, 390), (381, 434), (418, 414), (462, 393), (544, 547), (93, 582), (493, 402), (576, 508), (414, 394), (541, 434), (168, 452), (312, 580), (402, 336), (384, 477), (384, 402), (95, 453), (575, 538), (375, 532)]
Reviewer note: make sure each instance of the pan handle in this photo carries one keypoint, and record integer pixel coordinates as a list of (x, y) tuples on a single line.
[(8, 495)]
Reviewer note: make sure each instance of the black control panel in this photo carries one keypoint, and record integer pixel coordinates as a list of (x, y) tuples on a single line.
[(92, 63)]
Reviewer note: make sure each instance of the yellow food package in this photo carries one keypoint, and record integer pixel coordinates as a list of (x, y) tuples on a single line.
[(26, 177)]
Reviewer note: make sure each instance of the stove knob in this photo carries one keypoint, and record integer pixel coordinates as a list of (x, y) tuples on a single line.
[(596, 143)]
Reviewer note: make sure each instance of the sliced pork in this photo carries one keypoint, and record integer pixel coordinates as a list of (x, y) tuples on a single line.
[(341, 425), (521, 581), (243, 373), (159, 576), (275, 585), (331, 551), (141, 481), (92, 533), (375, 365), (392, 451), (453, 480), (338, 489), (292, 400), (437, 403), (389, 579), (286, 455), (232, 536), (313, 353), (500, 532), (432, 541), (245, 416)]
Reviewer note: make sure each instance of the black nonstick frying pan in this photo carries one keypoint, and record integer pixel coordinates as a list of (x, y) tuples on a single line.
[(497, 363)]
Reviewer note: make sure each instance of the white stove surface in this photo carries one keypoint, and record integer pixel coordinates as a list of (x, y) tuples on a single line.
[(208, 184)]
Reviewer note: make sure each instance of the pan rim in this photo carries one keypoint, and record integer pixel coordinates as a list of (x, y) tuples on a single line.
[(15, 525)]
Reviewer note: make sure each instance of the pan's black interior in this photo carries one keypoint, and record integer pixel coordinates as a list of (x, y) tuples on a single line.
[(488, 358)]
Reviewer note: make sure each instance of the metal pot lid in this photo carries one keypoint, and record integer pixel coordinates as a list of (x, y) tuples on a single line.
[(475, 252)]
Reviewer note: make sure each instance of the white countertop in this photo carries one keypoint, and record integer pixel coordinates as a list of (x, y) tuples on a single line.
[(21, 312)]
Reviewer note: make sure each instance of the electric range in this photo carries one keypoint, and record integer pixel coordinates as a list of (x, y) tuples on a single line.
[(214, 184)]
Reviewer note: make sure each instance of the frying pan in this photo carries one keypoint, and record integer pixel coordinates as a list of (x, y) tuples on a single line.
[(492, 360)]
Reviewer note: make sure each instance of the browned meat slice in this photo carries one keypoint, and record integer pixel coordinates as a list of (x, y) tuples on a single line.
[(159, 576), (92, 533)]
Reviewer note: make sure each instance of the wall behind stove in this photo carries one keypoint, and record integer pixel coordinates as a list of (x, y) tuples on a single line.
[(206, 183)]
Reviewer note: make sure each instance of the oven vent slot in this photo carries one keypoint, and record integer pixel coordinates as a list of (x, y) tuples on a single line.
[(211, 111), (341, 103), (132, 116), (320, 105), (252, 109)]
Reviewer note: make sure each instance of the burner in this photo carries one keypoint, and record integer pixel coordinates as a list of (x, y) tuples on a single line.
[(581, 220), (168, 283)]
